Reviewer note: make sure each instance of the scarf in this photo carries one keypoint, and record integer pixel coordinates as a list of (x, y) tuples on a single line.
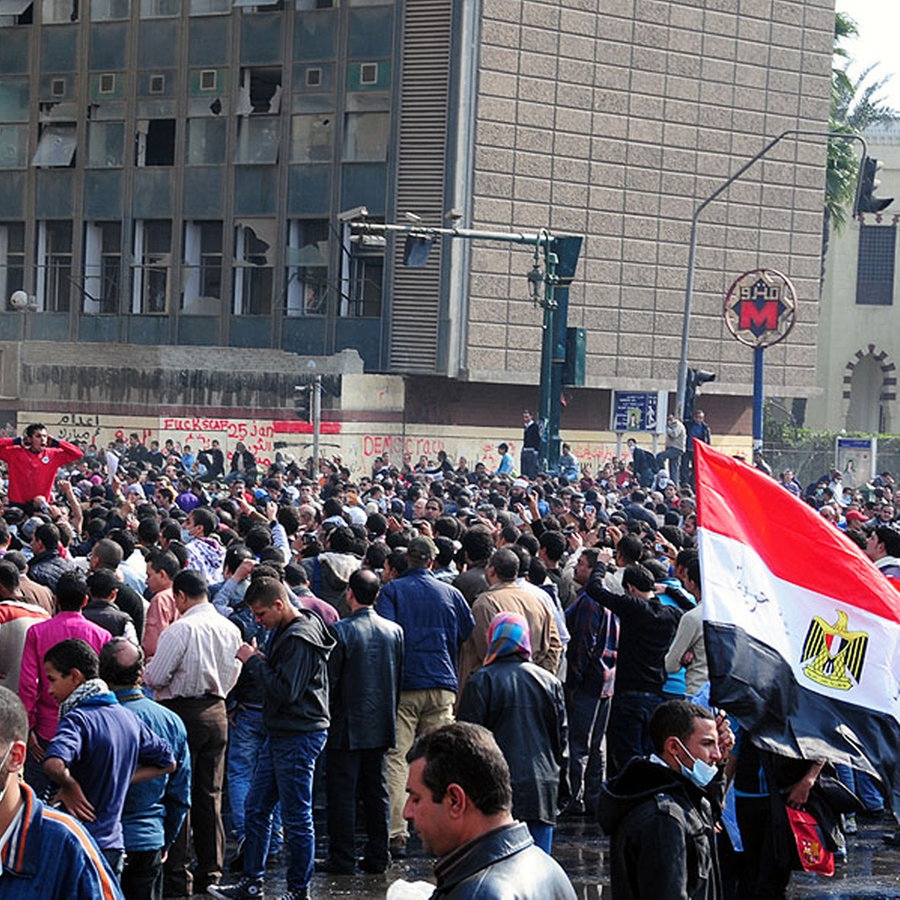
[(90, 688), (508, 635)]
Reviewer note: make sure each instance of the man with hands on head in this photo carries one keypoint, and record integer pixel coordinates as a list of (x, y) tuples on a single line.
[(33, 461)]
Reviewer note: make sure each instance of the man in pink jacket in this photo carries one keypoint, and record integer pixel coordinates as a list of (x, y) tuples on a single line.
[(42, 709)]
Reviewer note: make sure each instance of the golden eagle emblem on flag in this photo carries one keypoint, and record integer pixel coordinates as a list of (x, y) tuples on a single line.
[(834, 654)]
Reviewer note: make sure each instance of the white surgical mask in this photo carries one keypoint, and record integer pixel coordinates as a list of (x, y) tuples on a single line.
[(701, 773)]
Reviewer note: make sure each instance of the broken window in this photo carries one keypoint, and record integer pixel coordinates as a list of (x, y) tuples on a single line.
[(366, 136), (54, 272), (312, 137), (257, 140), (152, 266), (155, 143), (55, 11), (260, 92), (106, 145), (15, 12), (253, 272), (13, 146), (56, 147), (12, 260), (102, 268), (362, 274), (205, 142), (202, 272), (307, 267)]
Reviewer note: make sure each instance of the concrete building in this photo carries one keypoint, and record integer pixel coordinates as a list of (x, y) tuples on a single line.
[(172, 174), (859, 343)]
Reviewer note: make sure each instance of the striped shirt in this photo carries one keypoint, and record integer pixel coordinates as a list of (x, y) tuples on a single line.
[(195, 656)]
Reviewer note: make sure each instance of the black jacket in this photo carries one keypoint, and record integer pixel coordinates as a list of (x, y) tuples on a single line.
[(48, 567), (364, 671), (524, 707), (663, 834), (107, 615), (294, 676), (502, 864), (646, 630)]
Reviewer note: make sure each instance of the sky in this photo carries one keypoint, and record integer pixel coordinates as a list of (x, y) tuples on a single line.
[(879, 35)]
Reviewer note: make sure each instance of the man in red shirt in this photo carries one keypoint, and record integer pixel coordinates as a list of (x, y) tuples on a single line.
[(33, 462)]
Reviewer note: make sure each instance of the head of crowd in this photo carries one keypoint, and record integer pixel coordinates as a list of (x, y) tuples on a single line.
[(151, 496)]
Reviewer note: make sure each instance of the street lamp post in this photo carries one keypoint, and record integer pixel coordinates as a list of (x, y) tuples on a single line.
[(692, 259), (552, 272)]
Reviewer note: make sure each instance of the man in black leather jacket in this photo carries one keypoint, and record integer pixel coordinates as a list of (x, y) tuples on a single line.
[(661, 810), (364, 671), (459, 800)]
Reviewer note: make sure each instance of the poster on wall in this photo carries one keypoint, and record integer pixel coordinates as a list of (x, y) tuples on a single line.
[(856, 459)]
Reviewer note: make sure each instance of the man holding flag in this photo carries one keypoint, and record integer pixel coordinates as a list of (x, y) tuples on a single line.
[(802, 647)]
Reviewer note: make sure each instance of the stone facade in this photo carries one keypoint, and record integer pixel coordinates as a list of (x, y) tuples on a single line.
[(614, 121)]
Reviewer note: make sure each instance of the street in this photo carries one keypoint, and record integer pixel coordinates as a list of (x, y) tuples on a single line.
[(872, 869)]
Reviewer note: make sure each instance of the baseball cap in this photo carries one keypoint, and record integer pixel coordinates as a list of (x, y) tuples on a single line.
[(422, 548), (856, 516)]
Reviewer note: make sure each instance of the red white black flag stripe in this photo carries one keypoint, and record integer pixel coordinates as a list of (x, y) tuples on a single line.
[(802, 631)]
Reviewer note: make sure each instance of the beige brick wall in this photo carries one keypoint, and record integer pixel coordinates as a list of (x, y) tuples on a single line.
[(614, 120)]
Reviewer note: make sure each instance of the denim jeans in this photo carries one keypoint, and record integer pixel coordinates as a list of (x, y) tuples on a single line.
[(627, 733), (588, 715), (246, 738), (284, 772), (862, 785)]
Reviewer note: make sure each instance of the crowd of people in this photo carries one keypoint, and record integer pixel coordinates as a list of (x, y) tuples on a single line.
[(199, 645)]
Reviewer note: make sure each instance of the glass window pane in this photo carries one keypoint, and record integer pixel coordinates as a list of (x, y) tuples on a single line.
[(59, 11), (366, 136), (106, 144), (311, 138), (307, 272), (13, 7), (105, 10), (209, 7), (56, 147), (12, 259), (206, 142), (13, 100), (157, 9), (57, 264), (102, 267), (257, 140), (13, 146)]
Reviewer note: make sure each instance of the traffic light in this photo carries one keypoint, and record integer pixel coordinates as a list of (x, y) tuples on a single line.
[(303, 401), (695, 378), (868, 184)]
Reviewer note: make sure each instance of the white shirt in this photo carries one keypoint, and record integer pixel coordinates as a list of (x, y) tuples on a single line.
[(195, 656)]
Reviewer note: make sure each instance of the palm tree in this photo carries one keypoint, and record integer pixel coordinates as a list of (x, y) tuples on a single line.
[(855, 105)]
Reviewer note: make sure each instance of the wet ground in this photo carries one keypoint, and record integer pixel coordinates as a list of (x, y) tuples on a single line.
[(872, 869)]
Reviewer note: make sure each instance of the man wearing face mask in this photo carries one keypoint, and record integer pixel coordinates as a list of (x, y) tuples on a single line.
[(661, 810), (45, 852)]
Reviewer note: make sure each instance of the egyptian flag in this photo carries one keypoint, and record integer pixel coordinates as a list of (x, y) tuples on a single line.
[(802, 631)]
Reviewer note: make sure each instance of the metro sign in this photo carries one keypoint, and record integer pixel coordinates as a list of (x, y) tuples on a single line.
[(760, 307)]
